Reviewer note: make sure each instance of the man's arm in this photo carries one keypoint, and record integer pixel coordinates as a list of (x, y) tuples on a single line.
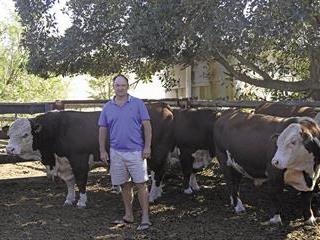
[(147, 138), (102, 143)]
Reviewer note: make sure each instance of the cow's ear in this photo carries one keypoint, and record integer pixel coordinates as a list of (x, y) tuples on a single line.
[(37, 128)]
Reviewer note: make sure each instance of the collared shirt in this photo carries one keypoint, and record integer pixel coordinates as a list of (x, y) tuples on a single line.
[(124, 124)]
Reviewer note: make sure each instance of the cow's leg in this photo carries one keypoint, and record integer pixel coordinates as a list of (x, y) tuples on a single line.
[(306, 206), (80, 167), (71, 196), (63, 171), (156, 186), (276, 189), (193, 182), (157, 177), (235, 190), (233, 179), (316, 197), (186, 161)]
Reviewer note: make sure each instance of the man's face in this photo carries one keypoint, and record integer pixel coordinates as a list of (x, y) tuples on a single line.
[(120, 86)]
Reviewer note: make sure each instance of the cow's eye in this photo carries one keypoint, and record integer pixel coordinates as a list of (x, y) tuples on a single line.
[(293, 142), (25, 135)]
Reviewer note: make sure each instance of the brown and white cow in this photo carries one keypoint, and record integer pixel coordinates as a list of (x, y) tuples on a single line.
[(298, 153), (245, 146), (285, 110)]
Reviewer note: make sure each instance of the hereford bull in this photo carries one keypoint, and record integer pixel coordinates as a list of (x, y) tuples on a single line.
[(66, 137), (59, 139), (298, 153), (286, 110), (245, 146)]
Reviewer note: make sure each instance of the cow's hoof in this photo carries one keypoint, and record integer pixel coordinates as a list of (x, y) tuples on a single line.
[(81, 206), (276, 220), (154, 197), (195, 189), (239, 208), (68, 203), (188, 191), (155, 194), (311, 221)]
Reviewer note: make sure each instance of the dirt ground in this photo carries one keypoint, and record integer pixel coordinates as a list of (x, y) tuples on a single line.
[(31, 208)]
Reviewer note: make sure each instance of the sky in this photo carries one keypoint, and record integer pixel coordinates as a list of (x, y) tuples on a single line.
[(79, 87), (6, 6)]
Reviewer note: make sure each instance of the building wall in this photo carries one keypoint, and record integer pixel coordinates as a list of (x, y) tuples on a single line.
[(205, 80), (221, 85)]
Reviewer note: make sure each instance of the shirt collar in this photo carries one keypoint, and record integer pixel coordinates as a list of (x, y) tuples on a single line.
[(113, 99)]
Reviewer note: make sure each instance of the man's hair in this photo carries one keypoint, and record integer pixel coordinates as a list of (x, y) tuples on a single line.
[(120, 75)]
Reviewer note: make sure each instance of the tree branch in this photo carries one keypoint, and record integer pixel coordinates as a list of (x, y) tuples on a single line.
[(269, 83), (253, 67)]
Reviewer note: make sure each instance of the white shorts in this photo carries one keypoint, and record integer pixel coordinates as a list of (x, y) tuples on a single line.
[(125, 166)]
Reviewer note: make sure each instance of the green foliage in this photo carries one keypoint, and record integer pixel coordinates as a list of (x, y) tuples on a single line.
[(272, 39), (15, 83), (30, 88), (249, 92), (101, 88)]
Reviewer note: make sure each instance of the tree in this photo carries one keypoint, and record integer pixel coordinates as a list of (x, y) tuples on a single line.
[(15, 83), (101, 87), (270, 44)]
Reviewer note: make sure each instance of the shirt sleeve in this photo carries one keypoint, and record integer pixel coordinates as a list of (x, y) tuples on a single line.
[(103, 121), (143, 111)]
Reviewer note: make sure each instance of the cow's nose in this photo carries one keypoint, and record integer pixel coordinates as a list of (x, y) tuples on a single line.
[(9, 149)]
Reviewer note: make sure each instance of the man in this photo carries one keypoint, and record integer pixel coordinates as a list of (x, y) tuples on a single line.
[(122, 119)]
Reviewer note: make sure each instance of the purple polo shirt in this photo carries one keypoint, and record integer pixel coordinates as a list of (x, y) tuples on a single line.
[(125, 124)]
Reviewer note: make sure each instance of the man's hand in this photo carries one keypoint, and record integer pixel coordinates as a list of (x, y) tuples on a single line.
[(146, 153), (104, 156)]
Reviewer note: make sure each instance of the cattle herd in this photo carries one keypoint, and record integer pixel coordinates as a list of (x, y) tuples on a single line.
[(277, 144)]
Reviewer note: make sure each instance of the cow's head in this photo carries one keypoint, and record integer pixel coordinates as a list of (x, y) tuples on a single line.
[(21, 140), (298, 147)]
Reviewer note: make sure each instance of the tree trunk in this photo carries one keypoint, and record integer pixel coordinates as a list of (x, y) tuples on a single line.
[(315, 71)]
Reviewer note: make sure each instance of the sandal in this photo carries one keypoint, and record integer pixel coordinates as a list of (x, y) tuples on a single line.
[(144, 226), (122, 221)]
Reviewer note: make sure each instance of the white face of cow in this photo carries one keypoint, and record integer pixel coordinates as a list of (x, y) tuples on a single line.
[(291, 152), (20, 142)]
